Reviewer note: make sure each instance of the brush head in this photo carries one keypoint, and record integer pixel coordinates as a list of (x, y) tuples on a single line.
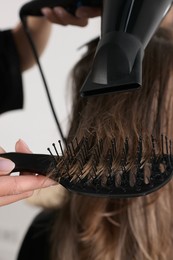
[(92, 169), (85, 170), (120, 190)]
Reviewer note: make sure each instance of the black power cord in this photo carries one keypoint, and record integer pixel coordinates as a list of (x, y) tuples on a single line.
[(28, 34), (33, 8)]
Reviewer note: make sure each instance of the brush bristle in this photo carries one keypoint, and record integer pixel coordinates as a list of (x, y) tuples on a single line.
[(97, 170)]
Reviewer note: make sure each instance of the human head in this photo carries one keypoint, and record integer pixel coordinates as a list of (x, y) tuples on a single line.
[(121, 229)]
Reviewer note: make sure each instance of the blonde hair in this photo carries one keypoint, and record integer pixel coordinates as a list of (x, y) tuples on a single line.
[(121, 229)]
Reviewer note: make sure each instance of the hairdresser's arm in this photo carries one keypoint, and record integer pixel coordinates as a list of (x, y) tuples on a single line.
[(40, 29), (14, 188), (60, 16)]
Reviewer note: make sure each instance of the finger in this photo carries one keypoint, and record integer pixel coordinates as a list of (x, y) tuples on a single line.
[(51, 16), (68, 18), (22, 147), (2, 150), (6, 166), (61, 16), (11, 199), (88, 12), (13, 185)]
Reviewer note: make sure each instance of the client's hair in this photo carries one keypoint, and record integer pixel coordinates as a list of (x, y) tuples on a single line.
[(90, 228)]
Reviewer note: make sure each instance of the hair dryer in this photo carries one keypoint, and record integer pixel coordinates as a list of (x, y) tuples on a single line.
[(127, 27)]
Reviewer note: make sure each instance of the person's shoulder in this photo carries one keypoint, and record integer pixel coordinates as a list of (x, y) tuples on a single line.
[(36, 244), (42, 225), (44, 217)]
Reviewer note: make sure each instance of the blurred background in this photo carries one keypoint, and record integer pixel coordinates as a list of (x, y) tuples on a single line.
[(35, 124)]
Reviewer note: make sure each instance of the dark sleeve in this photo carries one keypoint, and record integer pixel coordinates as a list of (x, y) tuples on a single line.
[(36, 244), (11, 90)]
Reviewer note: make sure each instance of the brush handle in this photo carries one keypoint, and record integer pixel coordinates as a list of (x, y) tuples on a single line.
[(33, 8), (38, 163)]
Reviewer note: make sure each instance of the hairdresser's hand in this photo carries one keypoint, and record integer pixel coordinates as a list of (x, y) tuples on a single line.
[(14, 188), (60, 16), (168, 20)]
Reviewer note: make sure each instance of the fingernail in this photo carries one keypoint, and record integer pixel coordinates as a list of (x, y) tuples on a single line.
[(6, 165), (1, 150), (45, 11)]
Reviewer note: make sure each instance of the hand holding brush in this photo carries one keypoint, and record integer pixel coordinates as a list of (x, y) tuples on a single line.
[(15, 188)]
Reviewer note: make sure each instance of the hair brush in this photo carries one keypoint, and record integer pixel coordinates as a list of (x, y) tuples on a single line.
[(101, 179)]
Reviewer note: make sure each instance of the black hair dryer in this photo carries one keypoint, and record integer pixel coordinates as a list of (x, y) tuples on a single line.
[(127, 27)]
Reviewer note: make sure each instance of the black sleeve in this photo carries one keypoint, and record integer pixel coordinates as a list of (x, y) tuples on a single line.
[(36, 244), (11, 90)]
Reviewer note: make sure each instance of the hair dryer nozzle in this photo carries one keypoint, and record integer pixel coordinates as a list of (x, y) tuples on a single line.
[(117, 65)]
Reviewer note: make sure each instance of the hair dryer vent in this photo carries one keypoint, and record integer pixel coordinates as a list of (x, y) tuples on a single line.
[(117, 65)]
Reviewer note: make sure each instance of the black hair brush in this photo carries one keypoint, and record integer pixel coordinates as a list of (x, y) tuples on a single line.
[(69, 169)]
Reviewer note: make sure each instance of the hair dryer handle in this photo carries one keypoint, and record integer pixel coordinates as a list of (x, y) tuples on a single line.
[(33, 8)]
